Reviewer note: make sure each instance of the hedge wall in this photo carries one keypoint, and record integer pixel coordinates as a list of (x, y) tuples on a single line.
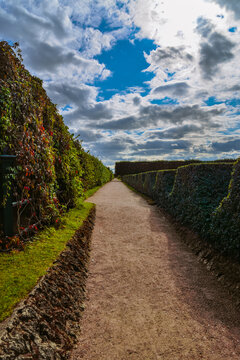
[(197, 191), (163, 187), (204, 197), (225, 222), (52, 170), (134, 167)]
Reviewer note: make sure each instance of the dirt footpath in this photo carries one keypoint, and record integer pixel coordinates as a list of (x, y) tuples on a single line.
[(147, 296)]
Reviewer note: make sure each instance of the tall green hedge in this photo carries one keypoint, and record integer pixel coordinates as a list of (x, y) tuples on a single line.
[(149, 183), (163, 187), (52, 169), (225, 222), (197, 191), (204, 197), (135, 167)]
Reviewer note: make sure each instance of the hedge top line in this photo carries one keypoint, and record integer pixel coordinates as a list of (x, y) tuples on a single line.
[(207, 165), (128, 167)]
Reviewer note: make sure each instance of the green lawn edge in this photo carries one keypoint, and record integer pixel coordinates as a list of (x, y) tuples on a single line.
[(91, 192), (20, 271)]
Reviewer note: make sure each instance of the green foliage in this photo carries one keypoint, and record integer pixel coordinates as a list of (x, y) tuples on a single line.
[(135, 167), (163, 186), (20, 271), (149, 183), (225, 222), (197, 191), (5, 116), (205, 197), (95, 173), (52, 168)]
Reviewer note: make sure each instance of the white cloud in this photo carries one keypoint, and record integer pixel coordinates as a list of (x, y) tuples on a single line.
[(60, 39), (171, 23)]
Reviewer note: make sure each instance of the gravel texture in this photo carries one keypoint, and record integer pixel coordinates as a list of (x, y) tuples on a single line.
[(148, 297)]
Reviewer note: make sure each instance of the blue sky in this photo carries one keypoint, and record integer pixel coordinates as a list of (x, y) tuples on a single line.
[(137, 79), (126, 62)]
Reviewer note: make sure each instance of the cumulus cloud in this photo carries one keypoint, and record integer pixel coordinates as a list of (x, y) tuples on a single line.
[(48, 41), (136, 100), (33, 25), (173, 89), (232, 5), (89, 136), (60, 39), (204, 27), (113, 147), (154, 115), (226, 146), (177, 132), (234, 88), (160, 147), (169, 61), (214, 50), (168, 56), (64, 93), (52, 59), (97, 111)]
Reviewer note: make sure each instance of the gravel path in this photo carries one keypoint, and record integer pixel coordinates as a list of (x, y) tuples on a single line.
[(147, 296)]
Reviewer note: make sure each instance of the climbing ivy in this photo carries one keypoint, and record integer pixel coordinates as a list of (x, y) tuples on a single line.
[(52, 169)]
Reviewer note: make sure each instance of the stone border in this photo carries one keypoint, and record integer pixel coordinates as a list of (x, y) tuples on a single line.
[(45, 324)]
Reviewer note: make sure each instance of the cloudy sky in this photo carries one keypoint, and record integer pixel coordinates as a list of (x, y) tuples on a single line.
[(137, 79)]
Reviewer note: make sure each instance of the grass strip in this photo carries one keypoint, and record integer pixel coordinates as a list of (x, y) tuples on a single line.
[(20, 271), (91, 192)]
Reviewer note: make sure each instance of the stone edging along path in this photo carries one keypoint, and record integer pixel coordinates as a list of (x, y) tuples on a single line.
[(45, 324)]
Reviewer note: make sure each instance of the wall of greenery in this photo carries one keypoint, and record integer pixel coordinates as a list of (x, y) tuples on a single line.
[(205, 197), (52, 170)]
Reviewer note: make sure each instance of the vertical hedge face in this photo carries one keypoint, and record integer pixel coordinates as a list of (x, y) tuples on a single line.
[(225, 224), (51, 166), (205, 197), (163, 186), (148, 186), (135, 167), (29, 119), (197, 191)]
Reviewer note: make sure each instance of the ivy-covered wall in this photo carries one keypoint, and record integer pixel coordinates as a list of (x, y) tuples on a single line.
[(52, 170)]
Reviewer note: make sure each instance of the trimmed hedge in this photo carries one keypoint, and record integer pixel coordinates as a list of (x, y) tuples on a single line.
[(204, 197), (197, 191), (163, 187), (135, 167), (225, 222)]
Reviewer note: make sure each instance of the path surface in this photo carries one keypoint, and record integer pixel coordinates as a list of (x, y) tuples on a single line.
[(147, 296)]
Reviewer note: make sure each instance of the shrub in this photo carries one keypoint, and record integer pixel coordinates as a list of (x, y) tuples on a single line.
[(225, 222), (204, 197), (163, 186), (197, 191), (135, 167)]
